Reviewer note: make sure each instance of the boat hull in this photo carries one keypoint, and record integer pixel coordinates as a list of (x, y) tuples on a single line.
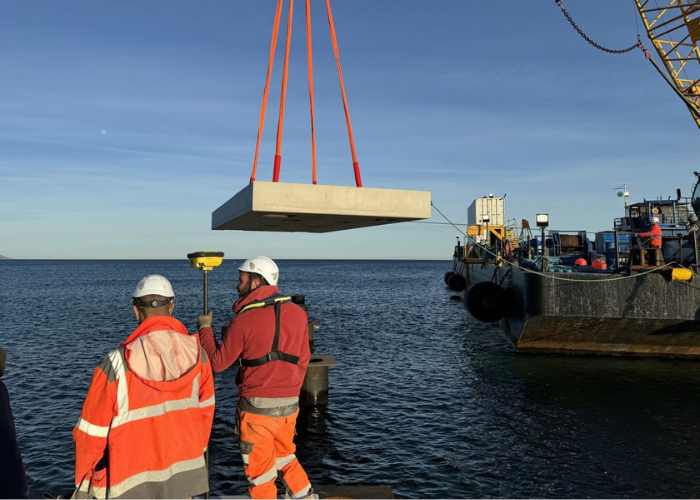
[(642, 315)]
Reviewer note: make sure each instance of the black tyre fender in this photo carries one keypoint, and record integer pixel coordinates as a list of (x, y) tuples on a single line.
[(447, 277), (486, 301), (457, 282)]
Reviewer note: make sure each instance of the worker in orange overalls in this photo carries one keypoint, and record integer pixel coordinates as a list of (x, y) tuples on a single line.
[(270, 336), (147, 417), (653, 236)]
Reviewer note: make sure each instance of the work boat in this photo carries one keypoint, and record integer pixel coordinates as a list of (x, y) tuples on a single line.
[(561, 292)]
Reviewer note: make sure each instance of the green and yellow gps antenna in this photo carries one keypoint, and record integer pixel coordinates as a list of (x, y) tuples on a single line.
[(206, 261)]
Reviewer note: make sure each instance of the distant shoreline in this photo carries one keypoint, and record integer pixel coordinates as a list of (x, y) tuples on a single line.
[(2, 257)]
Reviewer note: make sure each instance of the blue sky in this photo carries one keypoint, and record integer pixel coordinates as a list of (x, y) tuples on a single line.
[(125, 124)]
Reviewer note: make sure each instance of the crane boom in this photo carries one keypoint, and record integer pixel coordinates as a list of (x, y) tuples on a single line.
[(673, 26)]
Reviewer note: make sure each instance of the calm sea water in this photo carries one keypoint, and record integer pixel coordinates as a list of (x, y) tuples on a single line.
[(425, 399)]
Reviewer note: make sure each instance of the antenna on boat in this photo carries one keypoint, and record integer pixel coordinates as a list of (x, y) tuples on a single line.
[(624, 193)]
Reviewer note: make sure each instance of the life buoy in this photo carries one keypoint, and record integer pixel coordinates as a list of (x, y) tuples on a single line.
[(486, 302)]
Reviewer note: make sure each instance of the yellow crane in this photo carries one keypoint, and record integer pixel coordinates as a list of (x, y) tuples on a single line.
[(673, 26)]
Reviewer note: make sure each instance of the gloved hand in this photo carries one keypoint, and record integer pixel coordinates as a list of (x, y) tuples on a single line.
[(204, 320)]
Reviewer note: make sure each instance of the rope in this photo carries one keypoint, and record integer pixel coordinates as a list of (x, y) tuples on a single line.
[(551, 275), (309, 57), (283, 95), (355, 164), (263, 108), (585, 37)]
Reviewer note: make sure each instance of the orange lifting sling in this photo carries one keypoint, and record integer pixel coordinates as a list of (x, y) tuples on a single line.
[(280, 122)]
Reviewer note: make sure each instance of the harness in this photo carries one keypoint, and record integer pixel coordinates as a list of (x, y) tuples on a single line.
[(275, 354)]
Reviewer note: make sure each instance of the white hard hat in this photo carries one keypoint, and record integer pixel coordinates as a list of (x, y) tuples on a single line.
[(655, 220), (263, 266), (153, 284)]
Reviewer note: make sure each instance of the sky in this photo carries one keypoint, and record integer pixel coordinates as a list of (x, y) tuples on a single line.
[(125, 123)]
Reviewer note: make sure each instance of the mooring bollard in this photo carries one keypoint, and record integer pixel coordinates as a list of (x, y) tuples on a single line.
[(314, 390)]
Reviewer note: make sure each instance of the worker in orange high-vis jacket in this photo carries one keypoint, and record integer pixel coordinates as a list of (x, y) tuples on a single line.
[(270, 337), (148, 413), (653, 236)]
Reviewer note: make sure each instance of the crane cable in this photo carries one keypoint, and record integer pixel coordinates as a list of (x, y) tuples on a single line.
[(585, 37), (280, 122), (693, 110)]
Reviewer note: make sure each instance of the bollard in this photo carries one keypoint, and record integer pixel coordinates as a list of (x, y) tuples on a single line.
[(314, 390)]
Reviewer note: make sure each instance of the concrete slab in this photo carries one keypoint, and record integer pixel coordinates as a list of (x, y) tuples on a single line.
[(285, 207)]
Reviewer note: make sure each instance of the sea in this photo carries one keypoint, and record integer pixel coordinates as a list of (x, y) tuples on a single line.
[(424, 399)]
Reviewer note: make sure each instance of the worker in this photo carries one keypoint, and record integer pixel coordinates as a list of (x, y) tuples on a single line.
[(270, 336), (692, 226), (653, 236), (147, 417), (13, 482)]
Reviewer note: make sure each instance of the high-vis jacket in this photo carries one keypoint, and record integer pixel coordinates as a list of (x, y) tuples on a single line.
[(250, 336), (654, 236), (147, 417)]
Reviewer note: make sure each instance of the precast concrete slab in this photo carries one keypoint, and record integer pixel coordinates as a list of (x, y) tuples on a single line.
[(285, 207)]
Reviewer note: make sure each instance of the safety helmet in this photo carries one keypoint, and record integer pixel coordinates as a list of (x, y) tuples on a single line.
[(263, 266), (693, 218), (654, 220), (153, 284)]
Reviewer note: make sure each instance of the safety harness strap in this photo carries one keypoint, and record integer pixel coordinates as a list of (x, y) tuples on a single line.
[(275, 354)]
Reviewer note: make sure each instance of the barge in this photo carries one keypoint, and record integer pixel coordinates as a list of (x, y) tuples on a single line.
[(566, 293)]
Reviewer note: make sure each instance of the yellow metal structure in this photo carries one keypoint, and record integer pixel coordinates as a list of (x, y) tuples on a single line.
[(674, 28), (206, 261)]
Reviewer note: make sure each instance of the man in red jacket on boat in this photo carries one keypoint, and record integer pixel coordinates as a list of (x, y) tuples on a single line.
[(653, 236), (269, 337)]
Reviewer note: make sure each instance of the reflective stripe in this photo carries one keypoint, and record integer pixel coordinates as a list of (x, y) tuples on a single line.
[(264, 478), (92, 429), (155, 410), (157, 476), (125, 416), (264, 303), (304, 492), (208, 402), (122, 390), (281, 463), (195, 389)]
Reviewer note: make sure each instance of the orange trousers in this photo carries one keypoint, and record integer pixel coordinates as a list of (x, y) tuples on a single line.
[(267, 447)]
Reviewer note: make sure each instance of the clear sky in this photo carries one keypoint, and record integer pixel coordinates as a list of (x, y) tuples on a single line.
[(125, 123)]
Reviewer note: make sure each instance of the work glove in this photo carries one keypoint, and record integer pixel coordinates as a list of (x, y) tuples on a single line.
[(204, 320)]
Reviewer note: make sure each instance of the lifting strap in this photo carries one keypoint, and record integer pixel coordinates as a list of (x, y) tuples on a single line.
[(275, 354), (280, 122)]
